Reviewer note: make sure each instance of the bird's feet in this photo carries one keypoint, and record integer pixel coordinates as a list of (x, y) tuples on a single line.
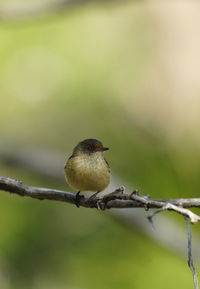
[(112, 196), (77, 199), (92, 199)]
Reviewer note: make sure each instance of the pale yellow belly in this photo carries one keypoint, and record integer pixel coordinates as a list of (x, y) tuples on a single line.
[(85, 176)]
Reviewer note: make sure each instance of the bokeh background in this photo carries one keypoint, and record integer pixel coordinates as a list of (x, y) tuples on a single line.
[(124, 72)]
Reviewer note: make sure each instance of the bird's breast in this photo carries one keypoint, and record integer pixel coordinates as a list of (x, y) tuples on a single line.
[(88, 172)]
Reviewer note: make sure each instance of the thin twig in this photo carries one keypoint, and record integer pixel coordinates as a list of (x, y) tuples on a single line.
[(190, 259), (170, 207), (152, 214), (188, 219)]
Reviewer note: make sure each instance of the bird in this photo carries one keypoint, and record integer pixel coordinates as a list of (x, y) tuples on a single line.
[(87, 169)]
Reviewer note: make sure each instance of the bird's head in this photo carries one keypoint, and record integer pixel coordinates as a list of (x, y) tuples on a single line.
[(89, 146)]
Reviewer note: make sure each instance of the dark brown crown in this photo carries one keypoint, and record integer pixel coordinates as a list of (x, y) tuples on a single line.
[(90, 146)]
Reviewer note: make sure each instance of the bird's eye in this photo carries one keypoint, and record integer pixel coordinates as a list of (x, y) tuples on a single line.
[(90, 148)]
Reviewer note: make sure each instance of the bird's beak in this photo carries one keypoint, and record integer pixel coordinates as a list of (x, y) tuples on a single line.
[(105, 149)]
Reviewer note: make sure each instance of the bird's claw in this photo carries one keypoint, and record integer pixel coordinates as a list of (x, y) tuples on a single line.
[(78, 197), (135, 192)]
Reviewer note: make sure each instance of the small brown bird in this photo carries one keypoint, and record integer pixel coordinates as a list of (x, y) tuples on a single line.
[(86, 169)]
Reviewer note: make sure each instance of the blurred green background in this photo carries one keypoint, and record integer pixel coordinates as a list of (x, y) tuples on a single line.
[(122, 72)]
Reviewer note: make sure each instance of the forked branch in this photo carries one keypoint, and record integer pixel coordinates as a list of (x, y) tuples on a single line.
[(116, 199)]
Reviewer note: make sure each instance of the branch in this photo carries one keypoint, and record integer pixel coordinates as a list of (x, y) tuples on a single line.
[(170, 207), (190, 259), (116, 199), (49, 163)]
